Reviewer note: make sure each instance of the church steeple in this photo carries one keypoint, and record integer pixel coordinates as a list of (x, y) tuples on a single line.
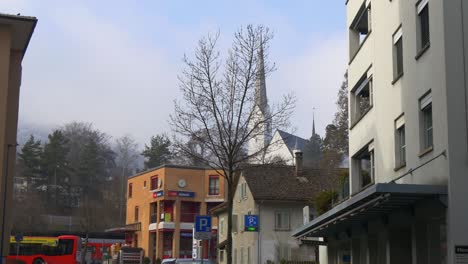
[(313, 123), (261, 118), (260, 90)]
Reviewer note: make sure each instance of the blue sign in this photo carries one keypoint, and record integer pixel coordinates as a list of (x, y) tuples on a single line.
[(203, 224), (18, 238), (182, 234), (251, 223), (158, 194), (186, 194)]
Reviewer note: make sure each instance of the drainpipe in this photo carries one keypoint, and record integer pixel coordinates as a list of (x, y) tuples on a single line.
[(260, 230)]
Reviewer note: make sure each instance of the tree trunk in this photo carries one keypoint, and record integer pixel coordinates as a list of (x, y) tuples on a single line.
[(231, 192)]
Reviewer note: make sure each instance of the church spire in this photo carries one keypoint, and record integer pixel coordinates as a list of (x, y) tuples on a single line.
[(313, 122), (260, 89)]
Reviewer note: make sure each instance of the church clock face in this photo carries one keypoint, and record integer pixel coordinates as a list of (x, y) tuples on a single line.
[(182, 183)]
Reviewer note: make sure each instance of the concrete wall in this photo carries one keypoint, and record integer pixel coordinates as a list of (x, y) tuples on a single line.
[(402, 97), (456, 59), (442, 70)]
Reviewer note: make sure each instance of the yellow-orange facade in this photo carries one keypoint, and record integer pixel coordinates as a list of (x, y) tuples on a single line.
[(162, 204)]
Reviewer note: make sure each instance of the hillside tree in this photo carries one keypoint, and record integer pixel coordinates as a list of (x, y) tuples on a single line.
[(127, 154), (158, 152), (30, 160), (54, 160)]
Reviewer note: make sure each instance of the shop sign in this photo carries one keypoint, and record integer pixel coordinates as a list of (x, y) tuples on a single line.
[(181, 194), (461, 254), (158, 194)]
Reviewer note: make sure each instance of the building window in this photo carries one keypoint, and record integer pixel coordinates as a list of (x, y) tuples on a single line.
[(221, 255), (154, 182), (242, 255), (361, 100), (130, 190), (400, 142), (221, 227), (136, 213), (425, 104), (282, 221), (214, 185), (423, 25), (360, 28), (398, 54), (242, 191), (364, 161), (144, 184)]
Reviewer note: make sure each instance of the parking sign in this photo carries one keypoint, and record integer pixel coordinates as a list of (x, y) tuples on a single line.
[(202, 227), (251, 223)]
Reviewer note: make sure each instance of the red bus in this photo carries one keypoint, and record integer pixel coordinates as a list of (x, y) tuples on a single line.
[(98, 248), (50, 250)]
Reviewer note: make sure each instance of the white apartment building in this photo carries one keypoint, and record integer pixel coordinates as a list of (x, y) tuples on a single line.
[(408, 136)]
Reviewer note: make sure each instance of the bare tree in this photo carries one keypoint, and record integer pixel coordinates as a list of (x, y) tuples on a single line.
[(219, 98), (127, 153)]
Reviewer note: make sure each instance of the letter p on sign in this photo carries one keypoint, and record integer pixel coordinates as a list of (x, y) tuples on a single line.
[(203, 223)]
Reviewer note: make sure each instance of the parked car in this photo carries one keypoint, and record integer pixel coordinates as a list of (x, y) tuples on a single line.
[(186, 261)]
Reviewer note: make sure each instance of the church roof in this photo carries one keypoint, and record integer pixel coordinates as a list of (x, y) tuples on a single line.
[(292, 141)]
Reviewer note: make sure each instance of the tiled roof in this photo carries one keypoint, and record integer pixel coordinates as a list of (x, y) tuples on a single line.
[(276, 182)]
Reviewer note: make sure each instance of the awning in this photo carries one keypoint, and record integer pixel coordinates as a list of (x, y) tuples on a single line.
[(378, 199), (128, 228)]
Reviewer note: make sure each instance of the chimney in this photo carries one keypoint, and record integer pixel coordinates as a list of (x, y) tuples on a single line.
[(298, 162)]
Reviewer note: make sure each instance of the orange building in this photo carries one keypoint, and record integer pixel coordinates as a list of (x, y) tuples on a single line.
[(162, 204)]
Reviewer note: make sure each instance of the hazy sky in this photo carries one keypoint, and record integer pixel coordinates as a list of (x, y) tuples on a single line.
[(115, 63)]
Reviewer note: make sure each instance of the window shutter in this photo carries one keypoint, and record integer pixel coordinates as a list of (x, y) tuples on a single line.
[(425, 101), (421, 5), (397, 35), (400, 122)]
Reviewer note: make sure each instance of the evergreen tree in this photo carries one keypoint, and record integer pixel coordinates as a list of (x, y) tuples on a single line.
[(54, 158), (90, 165), (30, 159), (57, 170), (341, 118), (313, 151), (332, 154), (158, 152)]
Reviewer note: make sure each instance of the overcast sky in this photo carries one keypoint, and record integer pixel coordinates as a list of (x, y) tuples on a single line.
[(115, 63)]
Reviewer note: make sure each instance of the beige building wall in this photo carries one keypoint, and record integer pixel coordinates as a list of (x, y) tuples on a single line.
[(268, 244), (390, 100), (441, 69), (15, 33)]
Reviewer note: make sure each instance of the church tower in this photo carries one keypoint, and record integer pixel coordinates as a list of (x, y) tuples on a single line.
[(261, 112)]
